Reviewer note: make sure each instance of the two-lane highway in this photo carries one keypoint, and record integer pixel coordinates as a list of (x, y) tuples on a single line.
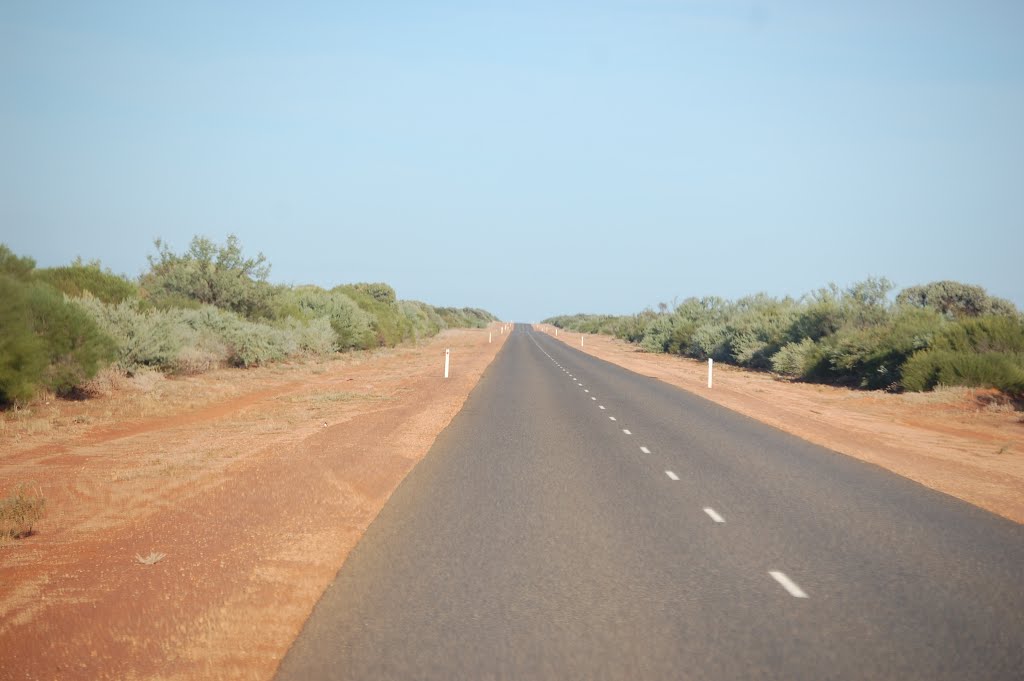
[(577, 520)]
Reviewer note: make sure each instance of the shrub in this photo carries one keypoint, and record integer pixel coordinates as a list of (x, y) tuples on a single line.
[(955, 300), (380, 292), (658, 334), (211, 274), (15, 266), (20, 511), (796, 359), (144, 338), (931, 368), (390, 326), (75, 348), (245, 343), (989, 333), (351, 324), (463, 317), (44, 341), (709, 341), (22, 353), (77, 279), (873, 356), (315, 337), (424, 320)]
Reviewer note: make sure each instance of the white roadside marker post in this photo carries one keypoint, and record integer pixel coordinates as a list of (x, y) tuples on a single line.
[(447, 357), (711, 364), (488, 336), (581, 340)]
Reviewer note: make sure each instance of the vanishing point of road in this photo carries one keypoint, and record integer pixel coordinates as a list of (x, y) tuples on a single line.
[(580, 521)]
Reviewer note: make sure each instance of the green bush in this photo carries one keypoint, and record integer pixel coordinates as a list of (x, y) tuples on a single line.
[(985, 334), (379, 291), (797, 359), (45, 342), (77, 279), (16, 267), (390, 326), (424, 320), (76, 348), (931, 368), (955, 300), (144, 338), (315, 337), (210, 274), (463, 317), (983, 351), (352, 326), (22, 353), (872, 356)]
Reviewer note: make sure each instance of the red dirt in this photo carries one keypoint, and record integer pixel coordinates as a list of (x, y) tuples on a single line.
[(964, 442), (255, 484)]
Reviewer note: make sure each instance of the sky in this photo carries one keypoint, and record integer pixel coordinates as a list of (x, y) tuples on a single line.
[(530, 158)]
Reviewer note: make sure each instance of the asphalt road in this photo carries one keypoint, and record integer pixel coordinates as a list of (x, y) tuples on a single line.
[(580, 521)]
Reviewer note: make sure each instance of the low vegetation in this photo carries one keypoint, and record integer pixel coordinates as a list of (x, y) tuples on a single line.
[(943, 333), (206, 307), (20, 510)]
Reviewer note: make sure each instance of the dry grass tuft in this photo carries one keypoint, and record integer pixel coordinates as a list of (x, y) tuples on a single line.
[(20, 511), (152, 559)]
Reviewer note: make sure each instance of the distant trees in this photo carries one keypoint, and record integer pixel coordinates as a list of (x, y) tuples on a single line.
[(208, 306), (939, 333)]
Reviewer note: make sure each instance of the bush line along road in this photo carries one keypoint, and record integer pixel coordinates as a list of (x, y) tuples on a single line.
[(577, 520)]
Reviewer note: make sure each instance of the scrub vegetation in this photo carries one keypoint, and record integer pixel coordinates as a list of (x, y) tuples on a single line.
[(945, 333), (207, 307)]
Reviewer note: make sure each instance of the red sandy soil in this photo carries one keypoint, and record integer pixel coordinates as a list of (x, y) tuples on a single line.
[(965, 442), (255, 484)]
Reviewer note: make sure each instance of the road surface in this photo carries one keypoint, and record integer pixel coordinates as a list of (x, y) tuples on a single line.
[(580, 521)]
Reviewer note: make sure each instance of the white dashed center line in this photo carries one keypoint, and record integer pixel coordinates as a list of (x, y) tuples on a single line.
[(593, 398), (713, 514), (645, 450), (600, 406), (611, 418), (586, 391), (671, 475), (626, 432), (788, 584)]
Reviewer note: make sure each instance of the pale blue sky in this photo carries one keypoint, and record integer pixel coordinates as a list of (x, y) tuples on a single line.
[(532, 158)]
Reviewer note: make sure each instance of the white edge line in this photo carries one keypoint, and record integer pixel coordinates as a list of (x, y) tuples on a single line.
[(788, 584), (713, 514)]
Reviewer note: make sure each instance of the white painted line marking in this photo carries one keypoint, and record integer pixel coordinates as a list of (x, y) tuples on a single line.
[(593, 398), (645, 450), (600, 406), (671, 475), (612, 418), (626, 432), (714, 514), (585, 390), (788, 584)]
